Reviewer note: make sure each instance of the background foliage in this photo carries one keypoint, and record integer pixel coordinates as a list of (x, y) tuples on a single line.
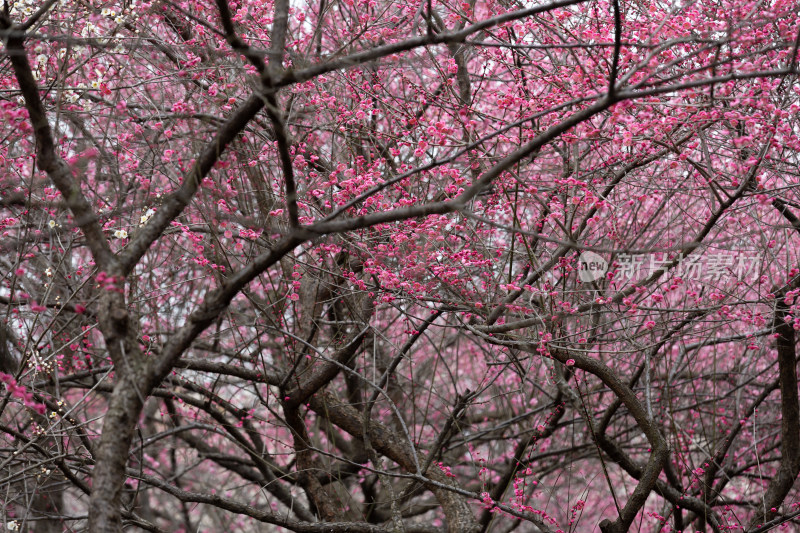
[(313, 266)]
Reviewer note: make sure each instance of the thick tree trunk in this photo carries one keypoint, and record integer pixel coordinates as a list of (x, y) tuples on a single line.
[(112, 456)]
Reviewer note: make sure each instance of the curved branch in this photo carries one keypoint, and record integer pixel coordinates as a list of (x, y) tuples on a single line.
[(47, 158)]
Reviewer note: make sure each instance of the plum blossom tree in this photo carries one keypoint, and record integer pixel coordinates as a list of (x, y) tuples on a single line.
[(419, 266)]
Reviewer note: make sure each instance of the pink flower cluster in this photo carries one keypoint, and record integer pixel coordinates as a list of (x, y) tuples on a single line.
[(18, 391), (108, 283)]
